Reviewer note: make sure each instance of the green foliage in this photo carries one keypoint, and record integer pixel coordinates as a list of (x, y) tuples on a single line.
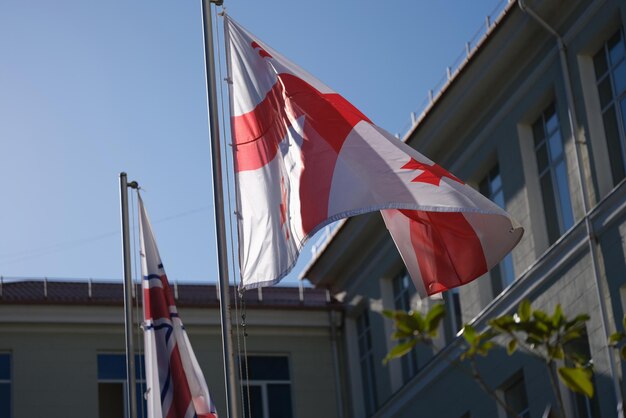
[(412, 328), (550, 337), (547, 336), (577, 379), (477, 343)]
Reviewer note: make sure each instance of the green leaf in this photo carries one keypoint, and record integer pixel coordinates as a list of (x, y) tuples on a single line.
[(400, 335), (433, 319), (523, 311), (557, 317), (388, 313), (511, 346), (469, 333), (399, 350), (615, 338), (622, 352), (577, 379)]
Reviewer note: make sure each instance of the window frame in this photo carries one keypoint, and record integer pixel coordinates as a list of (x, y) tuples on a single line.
[(614, 102), (247, 382), (550, 169), (140, 381), (366, 363)]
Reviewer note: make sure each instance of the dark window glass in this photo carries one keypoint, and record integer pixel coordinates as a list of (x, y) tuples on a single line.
[(268, 368), (256, 401), (279, 399), (611, 131), (599, 63), (515, 397), (269, 387), (112, 385), (5, 366), (610, 67), (111, 400)]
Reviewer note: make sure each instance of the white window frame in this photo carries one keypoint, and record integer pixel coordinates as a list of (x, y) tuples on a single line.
[(263, 383), (124, 382)]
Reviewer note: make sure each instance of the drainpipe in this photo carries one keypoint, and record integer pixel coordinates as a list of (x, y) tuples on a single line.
[(591, 238)]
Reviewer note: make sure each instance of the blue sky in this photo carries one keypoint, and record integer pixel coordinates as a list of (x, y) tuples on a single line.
[(90, 89)]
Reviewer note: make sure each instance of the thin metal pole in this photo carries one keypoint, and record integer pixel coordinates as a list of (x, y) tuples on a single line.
[(230, 381), (131, 388)]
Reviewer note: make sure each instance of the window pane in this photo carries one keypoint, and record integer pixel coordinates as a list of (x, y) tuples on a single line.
[(599, 62), (613, 144), (538, 131), (506, 269), (256, 401), (515, 397), (268, 368), (542, 158), (112, 366), (616, 47), (552, 122), (556, 146), (619, 78), (5, 400), (552, 221), (5, 366), (110, 400), (279, 400), (605, 91), (564, 196)]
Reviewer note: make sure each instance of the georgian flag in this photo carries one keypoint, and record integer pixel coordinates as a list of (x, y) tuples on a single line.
[(304, 157), (175, 384)]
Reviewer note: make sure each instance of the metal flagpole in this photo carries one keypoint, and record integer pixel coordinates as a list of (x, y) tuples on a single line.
[(218, 200), (131, 388)]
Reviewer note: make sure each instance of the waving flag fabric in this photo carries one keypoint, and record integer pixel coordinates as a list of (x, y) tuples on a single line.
[(305, 157), (175, 385)]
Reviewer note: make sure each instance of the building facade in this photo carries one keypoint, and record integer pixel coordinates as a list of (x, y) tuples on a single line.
[(535, 119), (62, 350)]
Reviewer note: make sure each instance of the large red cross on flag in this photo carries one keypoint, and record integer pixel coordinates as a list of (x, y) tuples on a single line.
[(305, 157)]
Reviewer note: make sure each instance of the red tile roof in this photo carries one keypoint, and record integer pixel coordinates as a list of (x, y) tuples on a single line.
[(45, 292)]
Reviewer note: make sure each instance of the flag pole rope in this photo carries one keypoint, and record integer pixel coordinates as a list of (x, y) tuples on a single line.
[(136, 281), (238, 332)]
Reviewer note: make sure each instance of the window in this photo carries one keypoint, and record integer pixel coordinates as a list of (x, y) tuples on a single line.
[(268, 393), (491, 187), (515, 396), (5, 385), (552, 174), (610, 68), (112, 398), (403, 289), (366, 360)]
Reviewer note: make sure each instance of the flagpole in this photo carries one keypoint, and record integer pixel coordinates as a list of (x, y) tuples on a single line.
[(131, 405), (218, 200)]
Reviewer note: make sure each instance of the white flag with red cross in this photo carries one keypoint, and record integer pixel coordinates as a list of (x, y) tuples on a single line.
[(304, 157)]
